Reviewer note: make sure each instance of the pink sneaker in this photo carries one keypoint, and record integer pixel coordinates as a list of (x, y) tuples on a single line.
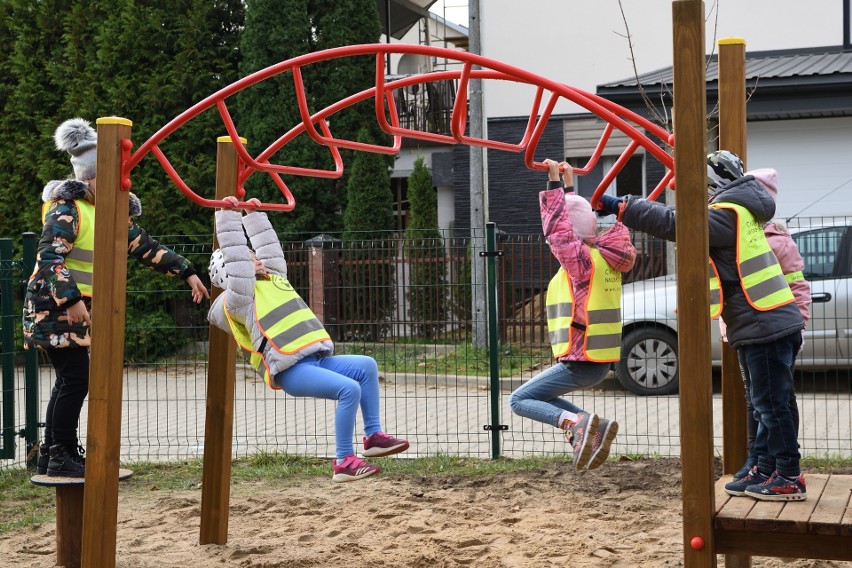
[(380, 444), (352, 468), (601, 441)]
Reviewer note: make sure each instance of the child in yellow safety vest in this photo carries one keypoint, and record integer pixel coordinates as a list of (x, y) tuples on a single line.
[(763, 323), (792, 265), (583, 317), (288, 345), (59, 292)]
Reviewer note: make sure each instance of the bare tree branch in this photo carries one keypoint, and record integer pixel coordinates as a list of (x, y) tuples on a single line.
[(648, 104)]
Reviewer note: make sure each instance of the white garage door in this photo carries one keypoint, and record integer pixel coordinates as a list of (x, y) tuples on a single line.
[(814, 162)]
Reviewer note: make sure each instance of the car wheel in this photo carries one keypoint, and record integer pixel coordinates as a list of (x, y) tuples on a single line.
[(648, 364)]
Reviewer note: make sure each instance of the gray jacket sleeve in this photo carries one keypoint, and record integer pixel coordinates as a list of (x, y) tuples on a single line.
[(239, 267), (265, 242)]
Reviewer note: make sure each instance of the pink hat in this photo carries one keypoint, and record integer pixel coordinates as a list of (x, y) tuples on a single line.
[(582, 217), (769, 179)]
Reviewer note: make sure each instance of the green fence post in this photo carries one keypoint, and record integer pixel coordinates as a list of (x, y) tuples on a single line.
[(7, 341), (491, 253), (31, 386)]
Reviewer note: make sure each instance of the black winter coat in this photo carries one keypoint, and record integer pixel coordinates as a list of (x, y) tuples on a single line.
[(746, 325)]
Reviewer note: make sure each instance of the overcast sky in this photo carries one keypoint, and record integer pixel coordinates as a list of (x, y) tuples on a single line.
[(453, 10)]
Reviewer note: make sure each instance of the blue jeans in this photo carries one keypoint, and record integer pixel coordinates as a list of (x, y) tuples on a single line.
[(540, 397), (751, 419), (351, 380), (770, 370)]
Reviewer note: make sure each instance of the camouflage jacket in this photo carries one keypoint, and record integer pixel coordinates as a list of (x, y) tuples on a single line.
[(51, 289)]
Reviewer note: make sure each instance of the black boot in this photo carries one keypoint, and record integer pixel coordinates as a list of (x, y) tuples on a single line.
[(43, 459), (66, 461)]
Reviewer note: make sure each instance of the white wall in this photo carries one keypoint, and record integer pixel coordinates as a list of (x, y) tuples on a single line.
[(812, 160), (582, 43)]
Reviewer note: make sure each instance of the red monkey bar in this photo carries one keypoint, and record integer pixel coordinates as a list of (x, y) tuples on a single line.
[(316, 124)]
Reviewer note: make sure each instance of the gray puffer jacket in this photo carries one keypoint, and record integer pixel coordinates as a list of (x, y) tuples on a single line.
[(240, 280), (746, 325)]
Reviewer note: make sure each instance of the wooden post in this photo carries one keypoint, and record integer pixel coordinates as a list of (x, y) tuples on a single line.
[(69, 528), (221, 377), (693, 299), (732, 137), (69, 515), (109, 284), (316, 276)]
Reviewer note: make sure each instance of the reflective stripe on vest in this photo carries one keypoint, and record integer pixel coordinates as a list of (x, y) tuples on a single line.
[(79, 260), (715, 292), (560, 311), (603, 308), (761, 277), (284, 318), (243, 339)]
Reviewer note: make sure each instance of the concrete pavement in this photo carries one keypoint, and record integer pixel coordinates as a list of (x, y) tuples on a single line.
[(164, 412)]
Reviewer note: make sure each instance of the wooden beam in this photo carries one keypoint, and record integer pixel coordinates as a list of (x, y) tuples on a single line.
[(732, 137), (693, 299), (109, 285), (221, 378)]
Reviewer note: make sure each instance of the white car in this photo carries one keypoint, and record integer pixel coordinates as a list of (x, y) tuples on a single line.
[(649, 364)]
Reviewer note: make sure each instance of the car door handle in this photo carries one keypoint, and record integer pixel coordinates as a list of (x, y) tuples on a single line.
[(821, 297)]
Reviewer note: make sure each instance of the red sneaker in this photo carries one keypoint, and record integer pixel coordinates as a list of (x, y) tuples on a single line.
[(380, 444), (352, 468)]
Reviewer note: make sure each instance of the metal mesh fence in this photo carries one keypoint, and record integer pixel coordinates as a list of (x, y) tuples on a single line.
[(436, 386)]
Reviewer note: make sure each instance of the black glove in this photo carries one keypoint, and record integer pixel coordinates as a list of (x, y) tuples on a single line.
[(609, 205)]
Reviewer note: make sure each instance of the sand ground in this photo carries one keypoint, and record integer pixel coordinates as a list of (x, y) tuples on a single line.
[(625, 514)]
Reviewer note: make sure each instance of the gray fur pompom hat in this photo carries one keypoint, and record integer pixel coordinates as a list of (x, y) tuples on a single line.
[(76, 137)]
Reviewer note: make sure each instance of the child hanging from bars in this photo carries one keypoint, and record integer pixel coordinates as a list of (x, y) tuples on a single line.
[(583, 318), (288, 344)]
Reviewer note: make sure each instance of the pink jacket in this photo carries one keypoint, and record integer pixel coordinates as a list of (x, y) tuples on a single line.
[(574, 256)]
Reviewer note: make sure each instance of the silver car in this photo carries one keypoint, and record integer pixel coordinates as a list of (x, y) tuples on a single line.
[(649, 364)]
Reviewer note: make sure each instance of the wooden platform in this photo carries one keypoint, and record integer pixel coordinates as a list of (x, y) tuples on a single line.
[(49, 481), (820, 527)]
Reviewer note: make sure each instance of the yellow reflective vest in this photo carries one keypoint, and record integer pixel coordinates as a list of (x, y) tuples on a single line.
[(603, 310), (79, 260), (287, 323), (761, 278)]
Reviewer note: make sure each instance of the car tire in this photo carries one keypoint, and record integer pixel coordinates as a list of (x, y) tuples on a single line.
[(648, 364)]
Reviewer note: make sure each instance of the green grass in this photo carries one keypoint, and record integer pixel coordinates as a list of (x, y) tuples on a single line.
[(23, 504)]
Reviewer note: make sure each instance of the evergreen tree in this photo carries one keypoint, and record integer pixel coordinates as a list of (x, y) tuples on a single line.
[(426, 255), (269, 109), (32, 37), (147, 62), (369, 273), (348, 22)]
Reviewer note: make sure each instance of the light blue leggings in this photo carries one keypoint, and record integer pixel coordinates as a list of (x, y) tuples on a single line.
[(351, 380)]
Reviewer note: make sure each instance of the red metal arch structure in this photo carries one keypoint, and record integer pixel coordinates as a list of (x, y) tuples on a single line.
[(116, 162), (316, 124)]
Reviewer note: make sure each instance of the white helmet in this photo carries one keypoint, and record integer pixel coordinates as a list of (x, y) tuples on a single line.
[(216, 269)]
